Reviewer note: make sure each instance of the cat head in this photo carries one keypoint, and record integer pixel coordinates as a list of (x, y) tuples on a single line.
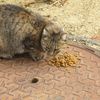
[(52, 36)]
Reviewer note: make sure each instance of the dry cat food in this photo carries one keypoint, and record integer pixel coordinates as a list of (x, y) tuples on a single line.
[(64, 60)]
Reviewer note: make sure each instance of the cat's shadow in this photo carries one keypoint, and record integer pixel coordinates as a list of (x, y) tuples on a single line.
[(17, 56), (24, 55), (22, 62), (18, 59)]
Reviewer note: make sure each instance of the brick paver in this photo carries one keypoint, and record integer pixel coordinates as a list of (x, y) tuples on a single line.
[(74, 83)]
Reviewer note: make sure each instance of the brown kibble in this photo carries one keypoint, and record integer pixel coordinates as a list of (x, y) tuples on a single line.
[(64, 60)]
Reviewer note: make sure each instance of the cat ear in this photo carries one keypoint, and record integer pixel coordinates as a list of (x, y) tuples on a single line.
[(64, 36), (45, 32)]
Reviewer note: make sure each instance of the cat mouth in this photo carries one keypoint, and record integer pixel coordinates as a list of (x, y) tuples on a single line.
[(54, 52)]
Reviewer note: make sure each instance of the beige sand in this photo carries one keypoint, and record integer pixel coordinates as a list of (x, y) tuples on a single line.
[(76, 16)]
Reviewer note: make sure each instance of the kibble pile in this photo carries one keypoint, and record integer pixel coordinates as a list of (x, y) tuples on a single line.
[(64, 60)]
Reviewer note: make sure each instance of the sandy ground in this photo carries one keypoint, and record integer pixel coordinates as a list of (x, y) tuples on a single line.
[(76, 16)]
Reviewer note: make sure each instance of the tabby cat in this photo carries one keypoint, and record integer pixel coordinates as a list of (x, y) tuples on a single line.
[(22, 31)]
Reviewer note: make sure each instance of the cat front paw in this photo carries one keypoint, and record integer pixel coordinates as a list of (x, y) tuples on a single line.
[(37, 57)]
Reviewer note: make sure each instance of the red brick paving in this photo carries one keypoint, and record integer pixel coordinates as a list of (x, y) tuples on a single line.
[(77, 83)]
